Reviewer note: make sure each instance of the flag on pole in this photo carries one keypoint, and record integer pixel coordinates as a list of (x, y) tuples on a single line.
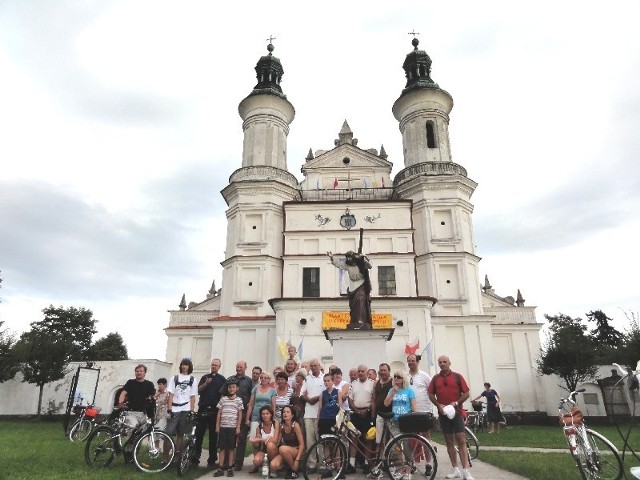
[(411, 347), (282, 347), (428, 354), (300, 349), (382, 178)]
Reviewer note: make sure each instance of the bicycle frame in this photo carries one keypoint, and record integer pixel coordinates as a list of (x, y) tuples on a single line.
[(595, 456)]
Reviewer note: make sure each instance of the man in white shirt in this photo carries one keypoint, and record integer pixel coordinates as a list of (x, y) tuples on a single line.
[(182, 390), (419, 381), (310, 392), (360, 400)]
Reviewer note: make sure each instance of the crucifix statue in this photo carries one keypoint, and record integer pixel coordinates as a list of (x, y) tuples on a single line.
[(357, 267)]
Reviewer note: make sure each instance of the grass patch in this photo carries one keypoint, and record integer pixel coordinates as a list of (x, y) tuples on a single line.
[(32, 450), (534, 465), (542, 465)]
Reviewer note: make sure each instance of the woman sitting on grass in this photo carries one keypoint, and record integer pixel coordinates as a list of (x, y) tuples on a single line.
[(264, 442)]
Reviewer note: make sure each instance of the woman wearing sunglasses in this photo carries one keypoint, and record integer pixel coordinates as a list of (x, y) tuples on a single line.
[(401, 398)]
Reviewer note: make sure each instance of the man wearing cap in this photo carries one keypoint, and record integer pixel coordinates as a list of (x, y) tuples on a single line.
[(448, 390)]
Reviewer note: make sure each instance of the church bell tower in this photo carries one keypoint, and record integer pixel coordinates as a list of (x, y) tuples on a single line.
[(446, 261), (252, 269)]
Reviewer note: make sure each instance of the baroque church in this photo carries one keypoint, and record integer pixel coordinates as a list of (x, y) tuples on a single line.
[(416, 228)]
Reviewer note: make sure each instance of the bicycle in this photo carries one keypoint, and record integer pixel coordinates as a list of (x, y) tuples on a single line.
[(188, 456), (473, 446), (151, 450), (595, 456), (400, 457), (477, 419), (84, 424)]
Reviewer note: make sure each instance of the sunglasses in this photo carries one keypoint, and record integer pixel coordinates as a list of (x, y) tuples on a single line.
[(398, 376)]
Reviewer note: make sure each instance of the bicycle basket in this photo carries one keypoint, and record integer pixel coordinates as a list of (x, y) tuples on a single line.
[(415, 422), (92, 412), (476, 405), (573, 417)]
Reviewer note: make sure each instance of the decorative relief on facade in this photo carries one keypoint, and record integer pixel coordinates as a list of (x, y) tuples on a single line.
[(371, 218), (322, 220), (347, 220)]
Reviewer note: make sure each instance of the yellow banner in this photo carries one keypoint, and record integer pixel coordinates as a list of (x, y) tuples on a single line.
[(340, 320)]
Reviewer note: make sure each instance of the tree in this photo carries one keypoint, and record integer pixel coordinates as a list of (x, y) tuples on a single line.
[(72, 326), (604, 333), (568, 352), (629, 354), (42, 358), (606, 339), (7, 355), (108, 348)]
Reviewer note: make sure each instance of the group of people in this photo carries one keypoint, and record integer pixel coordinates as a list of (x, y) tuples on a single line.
[(282, 415)]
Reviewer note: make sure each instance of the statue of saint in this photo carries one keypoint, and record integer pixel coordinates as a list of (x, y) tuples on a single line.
[(359, 291)]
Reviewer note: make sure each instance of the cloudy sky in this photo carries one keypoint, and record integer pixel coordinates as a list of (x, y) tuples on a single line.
[(119, 128)]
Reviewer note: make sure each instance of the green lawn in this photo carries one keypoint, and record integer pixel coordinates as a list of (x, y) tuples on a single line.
[(39, 450), (543, 465)]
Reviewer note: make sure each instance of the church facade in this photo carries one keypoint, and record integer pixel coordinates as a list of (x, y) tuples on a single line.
[(416, 229)]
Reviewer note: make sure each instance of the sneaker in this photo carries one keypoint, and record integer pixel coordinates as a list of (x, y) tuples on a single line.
[(466, 475), (455, 473), (230, 472), (349, 469), (218, 473)]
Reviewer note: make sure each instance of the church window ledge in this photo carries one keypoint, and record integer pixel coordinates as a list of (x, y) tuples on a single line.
[(248, 303), (252, 244)]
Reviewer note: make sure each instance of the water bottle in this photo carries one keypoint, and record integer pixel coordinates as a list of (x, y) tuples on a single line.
[(265, 466), (352, 428)]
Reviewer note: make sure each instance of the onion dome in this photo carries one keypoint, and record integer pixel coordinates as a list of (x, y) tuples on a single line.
[(269, 73), (417, 69)]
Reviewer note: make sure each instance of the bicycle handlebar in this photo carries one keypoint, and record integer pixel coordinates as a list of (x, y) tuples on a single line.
[(571, 398)]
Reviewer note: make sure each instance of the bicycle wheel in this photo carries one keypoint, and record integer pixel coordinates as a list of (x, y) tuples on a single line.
[(80, 430), (187, 457), (100, 449), (330, 456), (472, 444), (153, 452), (599, 460), (410, 456)]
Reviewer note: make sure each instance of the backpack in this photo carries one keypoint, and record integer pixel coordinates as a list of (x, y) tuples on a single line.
[(175, 381)]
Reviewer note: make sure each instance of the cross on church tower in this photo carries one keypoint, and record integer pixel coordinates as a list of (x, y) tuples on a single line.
[(414, 33), (271, 38)]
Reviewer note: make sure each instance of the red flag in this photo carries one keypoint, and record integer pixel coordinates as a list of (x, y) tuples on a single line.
[(411, 348), (382, 182), (335, 183)]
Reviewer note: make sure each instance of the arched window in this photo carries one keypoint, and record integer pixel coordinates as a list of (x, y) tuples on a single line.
[(431, 135)]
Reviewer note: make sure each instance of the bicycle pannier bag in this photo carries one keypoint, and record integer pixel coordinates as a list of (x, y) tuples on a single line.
[(415, 422)]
